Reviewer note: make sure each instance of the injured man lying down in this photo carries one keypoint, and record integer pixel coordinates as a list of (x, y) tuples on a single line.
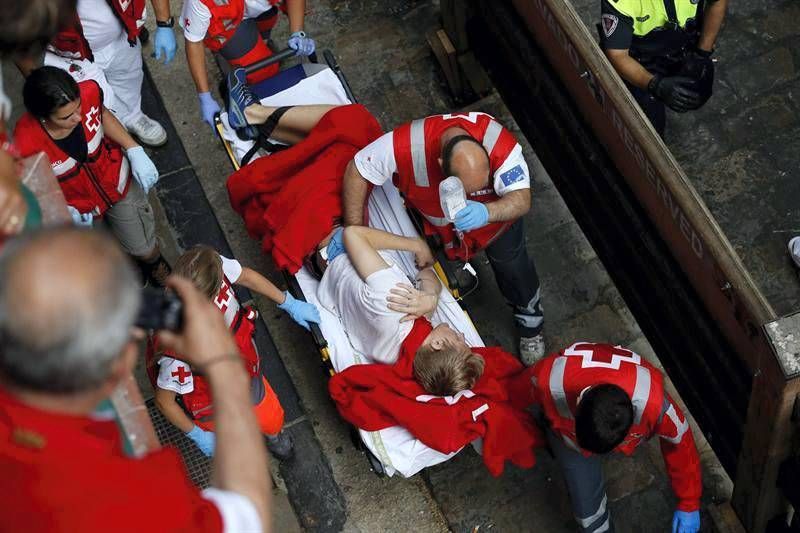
[(406, 372), (412, 374)]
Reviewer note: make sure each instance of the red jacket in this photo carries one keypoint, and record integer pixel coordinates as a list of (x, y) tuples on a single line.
[(69, 473), (291, 199), (71, 43), (96, 184), (560, 379), (375, 397), (417, 148)]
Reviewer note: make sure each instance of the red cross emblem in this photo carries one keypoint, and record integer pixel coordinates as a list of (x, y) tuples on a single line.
[(224, 296), (93, 120), (181, 374), (602, 356)]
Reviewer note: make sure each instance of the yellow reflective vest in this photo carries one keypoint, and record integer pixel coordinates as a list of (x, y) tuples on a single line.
[(649, 15)]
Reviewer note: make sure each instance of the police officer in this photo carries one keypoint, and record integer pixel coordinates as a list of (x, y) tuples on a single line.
[(662, 49)]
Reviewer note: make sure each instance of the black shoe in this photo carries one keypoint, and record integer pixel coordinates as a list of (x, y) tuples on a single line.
[(281, 446)]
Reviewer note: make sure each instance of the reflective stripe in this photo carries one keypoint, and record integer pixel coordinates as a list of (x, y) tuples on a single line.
[(641, 393), (124, 173), (64, 167), (605, 527), (436, 221), (491, 135), (571, 444), (681, 426), (418, 159), (94, 142), (589, 520), (557, 387)]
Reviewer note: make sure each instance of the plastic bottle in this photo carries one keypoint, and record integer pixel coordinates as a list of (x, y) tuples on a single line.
[(452, 197)]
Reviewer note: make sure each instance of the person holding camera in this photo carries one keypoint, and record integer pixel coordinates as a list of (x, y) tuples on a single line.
[(94, 159), (214, 276), (662, 50), (65, 470)]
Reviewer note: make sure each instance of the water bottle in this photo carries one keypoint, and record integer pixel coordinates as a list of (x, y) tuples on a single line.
[(452, 197)]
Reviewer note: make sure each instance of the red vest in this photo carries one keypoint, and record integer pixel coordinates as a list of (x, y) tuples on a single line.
[(199, 402), (69, 473), (561, 379), (96, 184), (417, 148), (226, 15), (71, 43)]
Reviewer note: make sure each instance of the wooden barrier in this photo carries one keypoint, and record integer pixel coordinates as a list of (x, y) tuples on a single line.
[(692, 236)]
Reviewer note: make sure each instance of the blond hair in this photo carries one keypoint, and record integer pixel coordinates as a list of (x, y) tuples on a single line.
[(447, 371), (203, 266)]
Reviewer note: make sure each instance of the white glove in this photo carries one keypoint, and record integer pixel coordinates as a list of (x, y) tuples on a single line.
[(80, 219), (144, 171)]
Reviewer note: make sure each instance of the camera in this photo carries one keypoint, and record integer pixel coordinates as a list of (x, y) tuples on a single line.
[(160, 310)]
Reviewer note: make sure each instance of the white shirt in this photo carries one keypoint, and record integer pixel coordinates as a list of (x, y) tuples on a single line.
[(196, 17), (176, 375), (375, 331), (377, 164), (100, 26)]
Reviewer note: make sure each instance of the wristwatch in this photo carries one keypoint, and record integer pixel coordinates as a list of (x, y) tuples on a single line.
[(166, 24)]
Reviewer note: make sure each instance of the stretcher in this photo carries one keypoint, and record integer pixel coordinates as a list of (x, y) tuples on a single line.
[(392, 450)]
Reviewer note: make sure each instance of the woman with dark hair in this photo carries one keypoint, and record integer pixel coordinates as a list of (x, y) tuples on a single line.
[(93, 157)]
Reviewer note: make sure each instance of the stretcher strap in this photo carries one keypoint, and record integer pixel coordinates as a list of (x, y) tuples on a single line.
[(264, 133)]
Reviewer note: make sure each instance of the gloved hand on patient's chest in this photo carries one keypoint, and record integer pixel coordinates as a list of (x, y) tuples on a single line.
[(301, 312)]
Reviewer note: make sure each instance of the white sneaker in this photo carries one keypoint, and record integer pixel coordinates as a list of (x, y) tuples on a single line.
[(148, 131), (531, 349), (794, 250)]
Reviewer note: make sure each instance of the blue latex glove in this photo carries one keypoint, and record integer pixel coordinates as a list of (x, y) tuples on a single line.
[(80, 219), (144, 171), (208, 108), (683, 522), (205, 440), (165, 44), (474, 216), (335, 246), (301, 43), (301, 312)]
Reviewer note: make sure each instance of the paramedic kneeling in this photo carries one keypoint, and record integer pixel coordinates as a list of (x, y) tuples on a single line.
[(488, 160), (599, 398), (66, 342)]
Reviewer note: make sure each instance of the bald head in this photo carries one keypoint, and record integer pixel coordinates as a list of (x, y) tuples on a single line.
[(67, 300), (465, 157)]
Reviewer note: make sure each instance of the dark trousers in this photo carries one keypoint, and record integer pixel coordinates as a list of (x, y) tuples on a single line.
[(586, 486), (517, 279), (652, 107)]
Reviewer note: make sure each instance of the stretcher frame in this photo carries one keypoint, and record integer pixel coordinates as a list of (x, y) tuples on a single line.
[(292, 284)]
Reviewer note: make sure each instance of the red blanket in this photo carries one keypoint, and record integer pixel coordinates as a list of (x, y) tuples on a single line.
[(290, 199), (374, 397)]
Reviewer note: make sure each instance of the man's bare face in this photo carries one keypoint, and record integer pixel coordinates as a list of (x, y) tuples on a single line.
[(443, 335)]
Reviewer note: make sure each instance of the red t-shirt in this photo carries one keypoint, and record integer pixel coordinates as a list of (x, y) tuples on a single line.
[(69, 473)]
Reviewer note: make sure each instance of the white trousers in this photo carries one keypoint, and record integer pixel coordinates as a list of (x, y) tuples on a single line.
[(117, 68)]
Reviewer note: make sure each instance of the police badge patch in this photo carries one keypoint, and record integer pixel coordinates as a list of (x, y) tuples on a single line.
[(610, 23)]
